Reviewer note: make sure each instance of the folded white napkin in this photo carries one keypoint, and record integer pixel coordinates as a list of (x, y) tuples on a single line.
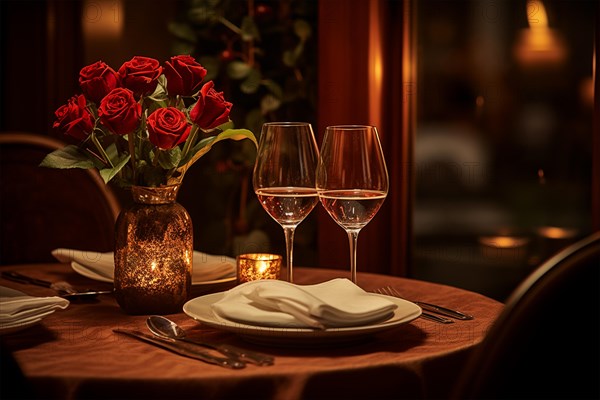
[(335, 303), (101, 266), (17, 310)]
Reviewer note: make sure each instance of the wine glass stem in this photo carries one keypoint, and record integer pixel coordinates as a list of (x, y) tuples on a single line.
[(289, 249), (353, 239)]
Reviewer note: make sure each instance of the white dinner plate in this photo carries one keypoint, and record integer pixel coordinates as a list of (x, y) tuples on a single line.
[(200, 309), (89, 273), (24, 323)]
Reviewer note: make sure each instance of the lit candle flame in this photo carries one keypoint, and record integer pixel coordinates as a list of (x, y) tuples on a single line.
[(553, 232), (504, 242), (537, 19), (539, 43), (261, 266), (536, 15)]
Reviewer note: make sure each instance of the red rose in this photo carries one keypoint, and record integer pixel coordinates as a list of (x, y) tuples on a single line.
[(119, 111), (184, 75), (211, 109), (73, 119), (140, 74), (97, 80), (167, 127)]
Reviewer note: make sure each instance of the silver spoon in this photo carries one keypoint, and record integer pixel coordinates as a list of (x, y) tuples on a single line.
[(164, 327)]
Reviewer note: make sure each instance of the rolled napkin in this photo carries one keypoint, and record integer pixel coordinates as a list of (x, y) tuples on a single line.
[(332, 304), (18, 309), (101, 266)]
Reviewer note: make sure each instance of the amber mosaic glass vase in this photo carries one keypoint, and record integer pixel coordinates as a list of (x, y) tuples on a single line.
[(153, 253)]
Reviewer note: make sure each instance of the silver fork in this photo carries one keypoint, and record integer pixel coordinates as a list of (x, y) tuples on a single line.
[(447, 312)]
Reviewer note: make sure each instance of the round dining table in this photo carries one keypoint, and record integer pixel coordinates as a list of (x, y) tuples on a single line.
[(75, 353)]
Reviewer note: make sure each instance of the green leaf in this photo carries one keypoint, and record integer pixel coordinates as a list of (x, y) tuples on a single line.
[(273, 87), (151, 175), (108, 173), (182, 31), (269, 103), (112, 152), (249, 29), (152, 106), (159, 93), (252, 82), (302, 29), (161, 99), (169, 159), (203, 14), (69, 156), (289, 58), (238, 69), (204, 146), (227, 125)]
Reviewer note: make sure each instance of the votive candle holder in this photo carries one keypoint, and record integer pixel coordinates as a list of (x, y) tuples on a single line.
[(255, 266)]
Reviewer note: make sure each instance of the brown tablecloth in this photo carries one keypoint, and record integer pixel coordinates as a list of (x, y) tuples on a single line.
[(74, 353)]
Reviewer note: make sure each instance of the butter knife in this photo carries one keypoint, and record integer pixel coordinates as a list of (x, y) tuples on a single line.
[(183, 349)]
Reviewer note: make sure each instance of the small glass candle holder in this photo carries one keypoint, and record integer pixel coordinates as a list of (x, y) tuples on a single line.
[(255, 266), (504, 248), (552, 239)]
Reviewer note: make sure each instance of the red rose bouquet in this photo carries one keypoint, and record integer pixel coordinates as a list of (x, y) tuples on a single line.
[(144, 124)]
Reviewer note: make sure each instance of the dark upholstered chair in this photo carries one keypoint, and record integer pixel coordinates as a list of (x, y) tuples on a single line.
[(545, 343), (43, 208)]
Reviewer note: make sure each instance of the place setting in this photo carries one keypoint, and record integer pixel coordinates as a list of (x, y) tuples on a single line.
[(274, 312)]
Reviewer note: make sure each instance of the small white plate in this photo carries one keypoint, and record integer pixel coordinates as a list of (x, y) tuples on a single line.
[(200, 309), (88, 273), (215, 281), (26, 322)]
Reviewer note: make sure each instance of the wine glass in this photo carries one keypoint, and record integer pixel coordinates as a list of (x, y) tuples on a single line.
[(284, 177), (352, 179)]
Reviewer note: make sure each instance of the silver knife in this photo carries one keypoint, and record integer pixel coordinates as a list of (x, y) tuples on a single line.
[(235, 352), (443, 310), (64, 289), (436, 318), (183, 349)]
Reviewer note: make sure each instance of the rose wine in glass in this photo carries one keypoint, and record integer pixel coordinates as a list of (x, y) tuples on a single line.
[(352, 179), (284, 177)]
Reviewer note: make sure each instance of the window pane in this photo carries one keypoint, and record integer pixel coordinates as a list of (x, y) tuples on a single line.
[(503, 141)]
